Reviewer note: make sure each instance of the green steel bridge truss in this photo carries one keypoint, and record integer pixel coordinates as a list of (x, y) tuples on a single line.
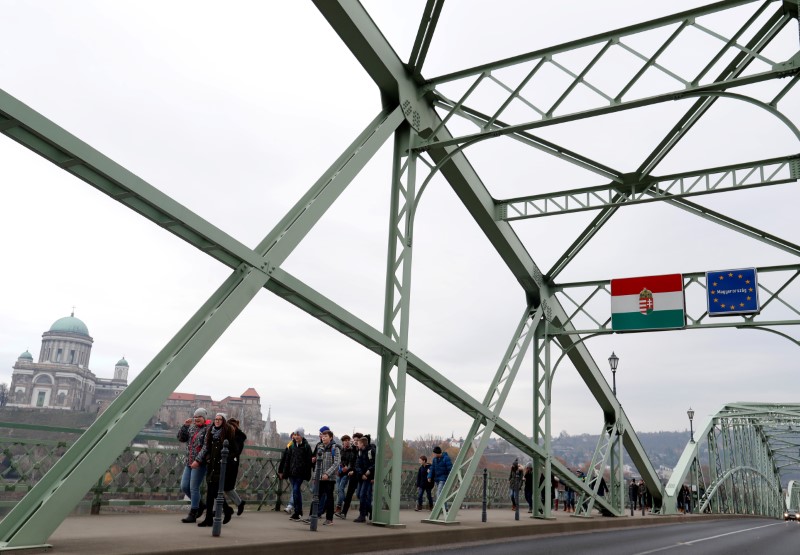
[(555, 319), (747, 446)]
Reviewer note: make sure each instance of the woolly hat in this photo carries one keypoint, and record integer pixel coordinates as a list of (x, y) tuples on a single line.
[(300, 431), (437, 450), (324, 429), (201, 412), (222, 414)]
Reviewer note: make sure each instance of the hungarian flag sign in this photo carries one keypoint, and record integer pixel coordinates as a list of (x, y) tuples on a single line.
[(647, 303)]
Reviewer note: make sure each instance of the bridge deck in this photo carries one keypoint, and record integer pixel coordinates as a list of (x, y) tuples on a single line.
[(273, 533)]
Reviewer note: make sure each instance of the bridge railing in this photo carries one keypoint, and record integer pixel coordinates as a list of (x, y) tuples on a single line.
[(148, 472)]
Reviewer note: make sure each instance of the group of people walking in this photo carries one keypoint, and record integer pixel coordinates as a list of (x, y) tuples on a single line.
[(639, 496), (204, 440), (340, 468)]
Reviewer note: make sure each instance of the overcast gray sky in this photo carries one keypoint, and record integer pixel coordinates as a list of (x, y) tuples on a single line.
[(236, 111)]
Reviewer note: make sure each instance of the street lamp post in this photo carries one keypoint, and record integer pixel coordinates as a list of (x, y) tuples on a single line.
[(613, 360), (690, 414)]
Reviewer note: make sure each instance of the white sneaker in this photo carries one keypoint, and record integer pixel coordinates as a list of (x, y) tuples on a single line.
[(288, 510)]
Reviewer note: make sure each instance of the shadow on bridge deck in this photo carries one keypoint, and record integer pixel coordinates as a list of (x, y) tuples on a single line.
[(273, 533)]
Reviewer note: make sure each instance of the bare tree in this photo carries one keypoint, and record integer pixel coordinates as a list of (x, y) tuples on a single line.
[(425, 444), (3, 394)]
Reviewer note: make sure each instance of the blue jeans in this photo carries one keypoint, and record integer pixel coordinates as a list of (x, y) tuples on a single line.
[(341, 489), (190, 483), (297, 495), (439, 488), (365, 499)]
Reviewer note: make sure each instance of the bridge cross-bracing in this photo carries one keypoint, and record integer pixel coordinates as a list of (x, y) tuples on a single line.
[(435, 122)]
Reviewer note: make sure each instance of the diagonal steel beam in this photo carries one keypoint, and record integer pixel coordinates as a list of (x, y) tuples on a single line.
[(42, 510), (735, 225), (430, 17), (735, 68), (760, 40), (359, 33)]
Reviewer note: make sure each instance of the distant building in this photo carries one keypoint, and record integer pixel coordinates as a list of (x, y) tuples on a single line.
[(61, 379)]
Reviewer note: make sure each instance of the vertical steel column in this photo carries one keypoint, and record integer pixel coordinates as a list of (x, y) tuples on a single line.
[(714, 468), (466, 463), (617, 479), (542, 469), (391, 403)]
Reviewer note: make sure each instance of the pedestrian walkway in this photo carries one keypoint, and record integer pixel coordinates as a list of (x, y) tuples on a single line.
[(272, 532)]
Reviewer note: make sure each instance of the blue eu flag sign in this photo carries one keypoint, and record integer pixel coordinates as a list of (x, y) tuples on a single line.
[(732, 292)]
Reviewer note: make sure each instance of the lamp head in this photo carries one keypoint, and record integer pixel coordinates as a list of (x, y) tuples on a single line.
[(613, 360)]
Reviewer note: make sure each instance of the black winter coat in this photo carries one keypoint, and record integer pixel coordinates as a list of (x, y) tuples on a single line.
[(296, 461), (213, 452), (348, 459), (422, 477)]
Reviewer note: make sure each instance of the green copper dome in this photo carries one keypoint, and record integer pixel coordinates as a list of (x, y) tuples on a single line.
[(122, 362), (26, 355), (70, 324)]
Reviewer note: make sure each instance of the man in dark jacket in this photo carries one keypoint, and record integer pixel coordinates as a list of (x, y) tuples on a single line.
[(365, 470), (440, 470), (296, 466)]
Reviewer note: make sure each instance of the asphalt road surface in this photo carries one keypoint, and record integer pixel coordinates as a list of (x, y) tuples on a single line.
[(720, 537)]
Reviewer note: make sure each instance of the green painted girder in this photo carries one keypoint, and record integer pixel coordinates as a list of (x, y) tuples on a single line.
[(45, 506), (466, 463), (34, 131), (734, 177), (41, 511), (758, 42), (793, 495), (785, 69), (740, 62), (541, 144), (745, 441), (684, 88), (427, 26), (593, 40), (396, 316)]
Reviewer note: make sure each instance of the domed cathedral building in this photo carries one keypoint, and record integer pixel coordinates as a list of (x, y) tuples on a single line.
[(61, 379)]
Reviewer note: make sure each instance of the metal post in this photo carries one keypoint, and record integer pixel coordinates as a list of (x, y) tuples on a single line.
[(216, 529), (315, 491), (485, 479)]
